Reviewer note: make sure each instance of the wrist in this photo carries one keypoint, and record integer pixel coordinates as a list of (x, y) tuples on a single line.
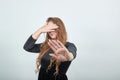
[(40, 31), (70, 56)]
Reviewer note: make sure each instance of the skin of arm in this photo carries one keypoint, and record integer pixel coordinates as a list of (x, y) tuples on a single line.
[(61, 53), (66, 56), (45, 28)]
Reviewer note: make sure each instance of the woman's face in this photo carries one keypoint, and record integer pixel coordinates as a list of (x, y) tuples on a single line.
[(53, 34)]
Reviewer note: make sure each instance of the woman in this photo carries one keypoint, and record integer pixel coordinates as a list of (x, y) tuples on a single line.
[(56, 53)]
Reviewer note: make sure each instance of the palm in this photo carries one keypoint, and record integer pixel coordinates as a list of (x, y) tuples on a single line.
[(61, 54), (60, 51), (48, 27)]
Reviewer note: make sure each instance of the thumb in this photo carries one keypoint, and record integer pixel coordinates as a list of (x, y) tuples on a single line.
[(53, 55)]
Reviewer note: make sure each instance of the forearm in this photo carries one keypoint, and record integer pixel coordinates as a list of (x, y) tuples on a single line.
[(69, 56), (36, 34), (30, 45)]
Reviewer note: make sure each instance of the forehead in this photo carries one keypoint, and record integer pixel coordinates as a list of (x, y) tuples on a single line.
[(50, 22)]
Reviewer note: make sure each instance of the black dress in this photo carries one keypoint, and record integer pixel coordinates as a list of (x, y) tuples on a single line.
[(31, 46)]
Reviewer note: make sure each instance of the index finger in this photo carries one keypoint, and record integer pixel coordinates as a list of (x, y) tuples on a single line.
[(60, 43), (52, 25)]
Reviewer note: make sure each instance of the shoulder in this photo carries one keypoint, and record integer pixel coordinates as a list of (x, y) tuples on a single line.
[(69, 44), (71, 48)]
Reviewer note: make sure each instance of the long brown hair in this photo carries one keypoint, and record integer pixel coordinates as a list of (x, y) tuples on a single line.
[(61, 36)]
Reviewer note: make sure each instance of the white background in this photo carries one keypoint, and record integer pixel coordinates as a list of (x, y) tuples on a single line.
[(92, 25)]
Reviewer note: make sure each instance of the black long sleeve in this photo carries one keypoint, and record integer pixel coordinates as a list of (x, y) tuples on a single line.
[(71, 48), (30, 45)]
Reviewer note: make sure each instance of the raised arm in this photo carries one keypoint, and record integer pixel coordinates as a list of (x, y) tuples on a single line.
[(30, 45)]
